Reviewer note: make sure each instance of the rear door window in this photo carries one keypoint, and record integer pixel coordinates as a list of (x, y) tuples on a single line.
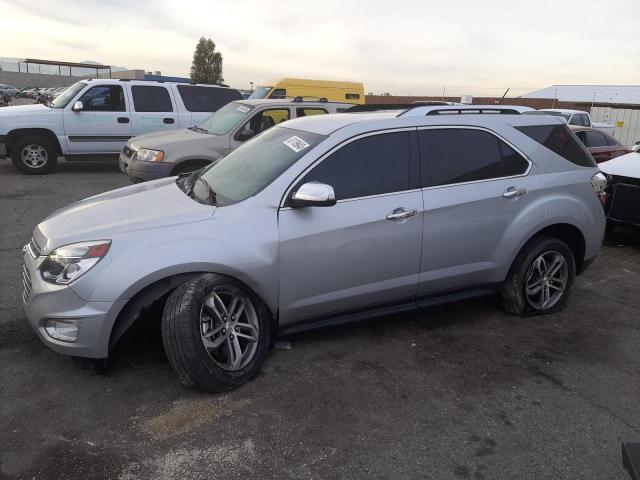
[(372, 165), (206, 99), (611, 142), (305, 112), (595, 139), (560, 140), (148, 98)]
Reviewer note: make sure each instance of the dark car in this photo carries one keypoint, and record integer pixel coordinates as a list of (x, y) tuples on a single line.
[(603, 147)]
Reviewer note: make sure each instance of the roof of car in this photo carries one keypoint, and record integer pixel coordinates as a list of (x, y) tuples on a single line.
[(270, 101), (327, 124), (561, 110), (146, 82)]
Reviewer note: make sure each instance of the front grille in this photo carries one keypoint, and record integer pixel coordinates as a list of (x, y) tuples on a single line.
[(26, 284), (34, 248)]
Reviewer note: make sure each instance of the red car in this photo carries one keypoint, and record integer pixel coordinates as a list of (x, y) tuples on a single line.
[(603, 147)]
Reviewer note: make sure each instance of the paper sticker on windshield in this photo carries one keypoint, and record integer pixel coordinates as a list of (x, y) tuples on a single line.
[(296, 143), (243, 109)]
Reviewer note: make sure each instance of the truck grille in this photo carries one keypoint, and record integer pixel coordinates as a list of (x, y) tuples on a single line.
[(26, 284), (33, 248)]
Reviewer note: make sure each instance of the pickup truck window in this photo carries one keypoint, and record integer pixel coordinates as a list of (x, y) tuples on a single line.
[(151, 99), (69, 94), (104, 98)]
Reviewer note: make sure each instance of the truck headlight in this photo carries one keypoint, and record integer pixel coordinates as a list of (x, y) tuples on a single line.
[(148, 155), (67, 263)]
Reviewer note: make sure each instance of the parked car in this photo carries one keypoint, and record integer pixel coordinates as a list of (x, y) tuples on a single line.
[(577, 118), (623, 189), (95, 118), (8, 90), (282, 88), (162, 154), (318, 221), (636, 147), (603, 147)]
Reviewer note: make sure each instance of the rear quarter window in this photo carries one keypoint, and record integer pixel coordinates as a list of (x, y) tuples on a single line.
[(560, 140), (206, 99)]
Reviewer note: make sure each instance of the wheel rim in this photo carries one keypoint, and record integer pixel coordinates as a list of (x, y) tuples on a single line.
[(546, 280), (34, 156), (229, 327)]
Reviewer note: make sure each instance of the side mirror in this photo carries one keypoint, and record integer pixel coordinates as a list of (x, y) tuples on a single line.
[(313, 194), (244, 135), (78, 106)]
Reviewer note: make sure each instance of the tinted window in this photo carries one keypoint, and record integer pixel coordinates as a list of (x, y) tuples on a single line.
[(151, 99), (560, 140), (612, 142), (575, 120), (206, 99), (595, 139), (352, 96), (368, 166), (512, 162), (305, 112), (104, 98), (458, 155), (278, 93)]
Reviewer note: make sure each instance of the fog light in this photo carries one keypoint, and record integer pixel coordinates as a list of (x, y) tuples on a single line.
[(63, 329)]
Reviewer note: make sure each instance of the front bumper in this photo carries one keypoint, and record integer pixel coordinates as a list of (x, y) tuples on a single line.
[(138, 171), (44, 301)]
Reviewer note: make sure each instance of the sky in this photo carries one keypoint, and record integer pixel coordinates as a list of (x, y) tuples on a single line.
[(404, 47)]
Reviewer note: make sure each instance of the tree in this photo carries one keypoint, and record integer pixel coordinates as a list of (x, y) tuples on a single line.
[(207, 63)]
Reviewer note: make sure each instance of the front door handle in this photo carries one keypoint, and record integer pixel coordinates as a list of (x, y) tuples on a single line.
[(123, 119), (401, 214), (513, 192), (168, 120)]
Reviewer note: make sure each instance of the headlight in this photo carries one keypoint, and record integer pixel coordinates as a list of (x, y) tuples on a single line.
[(147, 155), (67, 263)]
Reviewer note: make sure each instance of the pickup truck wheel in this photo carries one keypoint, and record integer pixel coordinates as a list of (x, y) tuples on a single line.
[(216, 333), (34, 155), (540, 278)]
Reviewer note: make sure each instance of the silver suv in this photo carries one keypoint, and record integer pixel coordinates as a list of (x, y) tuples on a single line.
[(320, 221), (163, 154)]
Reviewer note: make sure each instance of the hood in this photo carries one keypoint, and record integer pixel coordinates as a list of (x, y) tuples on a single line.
[(25, 109), (623, 166), (137, 207), (171, 138)]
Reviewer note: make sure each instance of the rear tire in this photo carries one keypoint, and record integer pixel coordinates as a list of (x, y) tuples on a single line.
[(540, 279), (34, 155), (216, 333)]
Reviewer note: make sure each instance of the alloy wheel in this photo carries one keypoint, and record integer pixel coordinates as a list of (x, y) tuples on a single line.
[(229, 327), (34, 156), (546, 280)]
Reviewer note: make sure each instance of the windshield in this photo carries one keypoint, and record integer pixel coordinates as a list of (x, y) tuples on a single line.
[(257, 163), (65, 97), (224, 119), (260, 92)]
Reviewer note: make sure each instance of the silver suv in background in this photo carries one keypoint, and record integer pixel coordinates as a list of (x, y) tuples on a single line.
[(163, 154), (319, 221)]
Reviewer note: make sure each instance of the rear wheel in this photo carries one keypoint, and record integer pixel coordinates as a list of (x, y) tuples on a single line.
[(215, 332), (540, 278), (34, 155)]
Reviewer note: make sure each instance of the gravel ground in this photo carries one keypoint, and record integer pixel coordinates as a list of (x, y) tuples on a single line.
[(463, 391)]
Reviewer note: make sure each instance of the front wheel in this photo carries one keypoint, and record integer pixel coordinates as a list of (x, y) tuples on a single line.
[(540, 278), (216, 333), (34, 155)]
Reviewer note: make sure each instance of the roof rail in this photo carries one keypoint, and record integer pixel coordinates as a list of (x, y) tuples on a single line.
[(375, 107), (314, 99), (419, 110)]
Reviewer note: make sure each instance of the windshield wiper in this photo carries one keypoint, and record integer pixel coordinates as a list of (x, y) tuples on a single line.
[(198, 129), (212, 194)]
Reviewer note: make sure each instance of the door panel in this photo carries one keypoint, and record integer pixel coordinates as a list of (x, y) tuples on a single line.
[(348, 256), (465, 227), (103, 126)]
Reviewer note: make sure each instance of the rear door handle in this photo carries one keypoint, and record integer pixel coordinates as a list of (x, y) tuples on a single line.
[(401, 214), (123, 119), (168, 120), (513, 192)]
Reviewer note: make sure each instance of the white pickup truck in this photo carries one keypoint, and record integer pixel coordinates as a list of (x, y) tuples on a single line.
[(96, 118), (577, 118)]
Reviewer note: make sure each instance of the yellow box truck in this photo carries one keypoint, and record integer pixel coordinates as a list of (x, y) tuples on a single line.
[(351, 92)]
